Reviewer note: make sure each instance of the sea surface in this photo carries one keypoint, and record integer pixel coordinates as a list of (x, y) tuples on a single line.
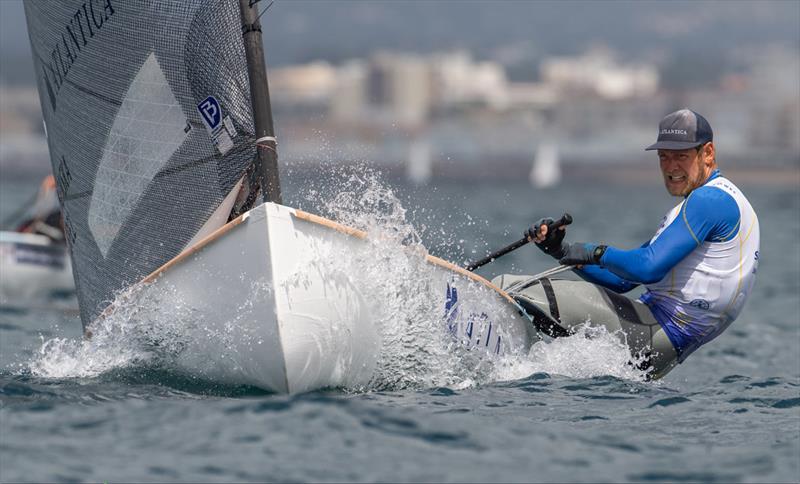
[(571, 411)]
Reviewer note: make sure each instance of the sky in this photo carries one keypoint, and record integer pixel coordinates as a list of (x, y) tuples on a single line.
[(518, 33), (15, 50)]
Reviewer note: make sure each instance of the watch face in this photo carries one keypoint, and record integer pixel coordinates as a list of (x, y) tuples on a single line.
[(598, 252)]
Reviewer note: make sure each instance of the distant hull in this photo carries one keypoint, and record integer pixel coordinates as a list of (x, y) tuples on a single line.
[(267, 309), (32, 268)]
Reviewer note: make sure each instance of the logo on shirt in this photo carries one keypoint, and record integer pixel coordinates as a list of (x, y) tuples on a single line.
[(700, 304)]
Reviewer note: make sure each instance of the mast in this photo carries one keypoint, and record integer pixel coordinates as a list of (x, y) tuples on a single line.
[(266, 161)]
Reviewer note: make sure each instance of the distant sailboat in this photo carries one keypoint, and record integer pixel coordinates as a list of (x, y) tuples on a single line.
[(546, 169), (33, 255), (418, 168)]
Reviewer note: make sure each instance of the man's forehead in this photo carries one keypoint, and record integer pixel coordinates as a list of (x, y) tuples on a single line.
[(676, 152)]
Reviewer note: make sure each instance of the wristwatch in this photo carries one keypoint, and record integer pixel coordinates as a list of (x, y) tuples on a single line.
[(598, 252)]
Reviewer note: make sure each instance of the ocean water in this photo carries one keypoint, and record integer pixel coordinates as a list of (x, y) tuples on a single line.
[(570, 411)]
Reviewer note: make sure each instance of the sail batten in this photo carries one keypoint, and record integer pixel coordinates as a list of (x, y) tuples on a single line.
[(149, 126)]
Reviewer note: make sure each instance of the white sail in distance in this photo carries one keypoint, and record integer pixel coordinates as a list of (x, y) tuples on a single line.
[(419, 168), (546, 169)]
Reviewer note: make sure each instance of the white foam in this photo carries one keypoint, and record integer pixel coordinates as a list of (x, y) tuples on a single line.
[(139, 332), (591, 352)]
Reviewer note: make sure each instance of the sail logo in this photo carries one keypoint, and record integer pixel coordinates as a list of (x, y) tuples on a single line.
[(212, 114), (87, 20), (220, 128)]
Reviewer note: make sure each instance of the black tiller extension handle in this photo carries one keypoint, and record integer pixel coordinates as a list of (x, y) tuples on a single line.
[(565, 219)]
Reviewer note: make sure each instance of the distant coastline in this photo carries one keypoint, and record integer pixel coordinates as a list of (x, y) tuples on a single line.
[(500, 170)]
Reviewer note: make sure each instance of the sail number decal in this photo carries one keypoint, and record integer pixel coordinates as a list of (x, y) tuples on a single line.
[(220, 128), (473, 329)]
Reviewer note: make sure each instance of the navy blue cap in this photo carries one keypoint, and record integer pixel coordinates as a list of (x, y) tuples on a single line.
[(682, 130)]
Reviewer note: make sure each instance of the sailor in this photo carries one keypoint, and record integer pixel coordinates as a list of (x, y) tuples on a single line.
[(46, 219), (698, 269)]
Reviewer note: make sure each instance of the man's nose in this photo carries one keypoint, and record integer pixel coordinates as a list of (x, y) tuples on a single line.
[(670, 163)]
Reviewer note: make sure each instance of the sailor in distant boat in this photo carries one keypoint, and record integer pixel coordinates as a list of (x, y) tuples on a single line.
[(699, 268), (46, 219)]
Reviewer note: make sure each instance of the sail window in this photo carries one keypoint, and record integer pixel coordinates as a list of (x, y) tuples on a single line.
[(147, 130)]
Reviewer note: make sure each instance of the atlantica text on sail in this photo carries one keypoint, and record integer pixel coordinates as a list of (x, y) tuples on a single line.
[(73, 38)]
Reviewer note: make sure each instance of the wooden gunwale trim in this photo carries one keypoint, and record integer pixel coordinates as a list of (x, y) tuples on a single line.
[(475, 277), (309, 217), (196, 247), (173, 262)]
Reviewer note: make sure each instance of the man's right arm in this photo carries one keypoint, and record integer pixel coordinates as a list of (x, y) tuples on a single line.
[(606, 278)]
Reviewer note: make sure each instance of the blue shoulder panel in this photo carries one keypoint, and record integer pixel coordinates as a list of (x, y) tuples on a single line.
[(711, 214)]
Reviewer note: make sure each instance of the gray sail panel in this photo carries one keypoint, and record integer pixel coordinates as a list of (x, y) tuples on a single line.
[(147, 110)]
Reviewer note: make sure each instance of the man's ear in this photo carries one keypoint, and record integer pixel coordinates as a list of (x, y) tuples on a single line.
[(709, 153)]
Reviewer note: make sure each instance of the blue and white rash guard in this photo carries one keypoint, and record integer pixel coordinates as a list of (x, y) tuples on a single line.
[(699, 267)]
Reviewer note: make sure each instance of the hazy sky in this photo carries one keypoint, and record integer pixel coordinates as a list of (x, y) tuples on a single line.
[(13, 31), (519, 33)]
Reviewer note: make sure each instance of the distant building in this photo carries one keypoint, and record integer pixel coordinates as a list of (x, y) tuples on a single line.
[(460, 80), (405, 89), (314, 81), (303, 89), (349, 101), (388, 88), (447, 114), (597, 73)]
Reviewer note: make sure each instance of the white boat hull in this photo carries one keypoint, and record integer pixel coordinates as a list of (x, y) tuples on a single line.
[(32, 268), (268, 303)]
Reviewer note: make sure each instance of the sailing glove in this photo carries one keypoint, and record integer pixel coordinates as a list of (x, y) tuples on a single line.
[(553, 242), (580, 254)]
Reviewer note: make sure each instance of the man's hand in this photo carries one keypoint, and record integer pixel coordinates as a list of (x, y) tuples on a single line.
[(550, 242), (580, 254)]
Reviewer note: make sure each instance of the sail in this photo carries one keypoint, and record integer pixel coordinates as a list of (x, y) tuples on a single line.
[(148, 119), (546, 169), (419, 162)]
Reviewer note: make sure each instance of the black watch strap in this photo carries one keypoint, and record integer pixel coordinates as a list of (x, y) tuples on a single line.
[(598, 253)]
